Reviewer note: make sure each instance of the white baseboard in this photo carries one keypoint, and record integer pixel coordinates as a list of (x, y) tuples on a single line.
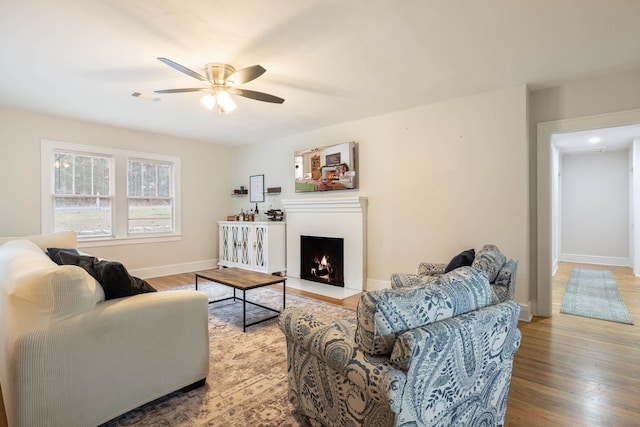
[(376, 285), (166, 270), (525, 312), (594, 259)]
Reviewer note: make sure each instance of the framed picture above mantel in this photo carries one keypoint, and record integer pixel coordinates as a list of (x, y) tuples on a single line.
[(256, 188), (327, 168)]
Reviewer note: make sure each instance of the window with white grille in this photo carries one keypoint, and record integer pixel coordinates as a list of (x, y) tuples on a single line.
[(109, 194)]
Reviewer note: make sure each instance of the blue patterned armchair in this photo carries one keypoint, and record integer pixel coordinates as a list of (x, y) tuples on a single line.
[(501, 272), (436, 355)]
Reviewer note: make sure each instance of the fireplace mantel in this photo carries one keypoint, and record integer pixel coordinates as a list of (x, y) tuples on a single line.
[(343, 217), (327, 205)]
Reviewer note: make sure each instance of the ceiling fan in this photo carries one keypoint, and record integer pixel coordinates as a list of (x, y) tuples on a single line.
[(220, 81)]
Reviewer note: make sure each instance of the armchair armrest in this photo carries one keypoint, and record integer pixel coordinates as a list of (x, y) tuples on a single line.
[(403, 280), (507, 278), (334, 345), (431, 268)]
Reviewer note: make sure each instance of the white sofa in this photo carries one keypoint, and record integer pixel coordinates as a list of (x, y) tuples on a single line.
[(68, 358)]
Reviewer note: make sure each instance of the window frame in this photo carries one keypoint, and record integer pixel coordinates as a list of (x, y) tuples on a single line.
[(118, 188)]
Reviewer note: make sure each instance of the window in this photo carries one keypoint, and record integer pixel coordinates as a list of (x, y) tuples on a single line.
[(149, 196), (109, 194), (81, 196)]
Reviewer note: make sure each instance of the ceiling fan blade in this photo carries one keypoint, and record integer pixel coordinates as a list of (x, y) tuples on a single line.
[(190, 89), (246, 75), (182, 69), (258, 96)]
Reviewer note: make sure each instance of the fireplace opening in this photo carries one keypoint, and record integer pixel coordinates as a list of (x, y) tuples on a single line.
[(322, 260)]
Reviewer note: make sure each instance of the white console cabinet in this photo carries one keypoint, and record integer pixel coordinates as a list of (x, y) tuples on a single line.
[(257, 246)]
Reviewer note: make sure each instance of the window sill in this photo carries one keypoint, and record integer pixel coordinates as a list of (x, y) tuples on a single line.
[(134, 240)]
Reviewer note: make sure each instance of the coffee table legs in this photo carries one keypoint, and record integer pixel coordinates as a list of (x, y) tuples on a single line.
[(245, 325)]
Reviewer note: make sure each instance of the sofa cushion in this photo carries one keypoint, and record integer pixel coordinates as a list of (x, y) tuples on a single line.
[(384, 314), (54, 253), (489, 259), (27, 275), (58, 291), (113, 276), (64, 239), (463, 259)]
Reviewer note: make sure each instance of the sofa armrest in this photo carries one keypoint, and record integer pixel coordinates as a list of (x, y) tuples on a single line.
[(334, 345), (431, 269), (121, 354)]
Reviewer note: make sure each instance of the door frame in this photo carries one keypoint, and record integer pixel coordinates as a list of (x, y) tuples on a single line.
[(546, 156)]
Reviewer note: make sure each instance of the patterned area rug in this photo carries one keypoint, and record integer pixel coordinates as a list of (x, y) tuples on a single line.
[(594, 293), (247, 381)]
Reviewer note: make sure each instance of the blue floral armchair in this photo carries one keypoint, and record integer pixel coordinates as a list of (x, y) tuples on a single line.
[(436, 355)]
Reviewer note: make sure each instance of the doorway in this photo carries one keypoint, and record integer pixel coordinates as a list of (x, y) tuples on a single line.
[(547, 199)]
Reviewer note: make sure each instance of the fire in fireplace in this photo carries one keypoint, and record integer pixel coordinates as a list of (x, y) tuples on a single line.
[(322, 259)]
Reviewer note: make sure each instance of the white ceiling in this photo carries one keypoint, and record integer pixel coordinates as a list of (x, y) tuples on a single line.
[(607, 139), (332, 60)]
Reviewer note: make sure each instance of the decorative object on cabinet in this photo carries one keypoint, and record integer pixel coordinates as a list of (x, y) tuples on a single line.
[(256, 246), (275, 215), (256, 187)]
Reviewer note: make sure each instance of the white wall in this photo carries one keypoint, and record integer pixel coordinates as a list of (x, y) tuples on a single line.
[(439, 179), (595, 208), (206, 185)]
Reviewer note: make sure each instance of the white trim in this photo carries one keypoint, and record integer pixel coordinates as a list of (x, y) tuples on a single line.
[(525, 312), (118, 192), (376, 285), (326, 204), (595, 259), (167, 270), (94, 243)]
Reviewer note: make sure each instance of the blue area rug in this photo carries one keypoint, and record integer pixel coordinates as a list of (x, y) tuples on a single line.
[(594, 293)]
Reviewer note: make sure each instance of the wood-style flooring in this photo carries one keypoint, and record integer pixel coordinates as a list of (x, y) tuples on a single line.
[(569, 370)]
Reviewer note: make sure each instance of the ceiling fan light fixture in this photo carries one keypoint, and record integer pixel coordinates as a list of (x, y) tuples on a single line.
[(208, 101), (224, 101), (219, 81)]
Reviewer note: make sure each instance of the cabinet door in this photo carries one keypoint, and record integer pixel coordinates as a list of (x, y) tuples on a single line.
[(260, 248), (226, 245), (242, 242)]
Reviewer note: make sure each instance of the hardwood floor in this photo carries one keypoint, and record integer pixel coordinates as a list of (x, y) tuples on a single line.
[(569, 370), (576, 371)]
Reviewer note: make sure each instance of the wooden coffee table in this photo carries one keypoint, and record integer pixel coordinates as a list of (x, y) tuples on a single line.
[(244, 280)]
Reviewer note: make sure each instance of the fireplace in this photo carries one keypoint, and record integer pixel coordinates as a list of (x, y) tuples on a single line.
[(340, 217), (322, 259)]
